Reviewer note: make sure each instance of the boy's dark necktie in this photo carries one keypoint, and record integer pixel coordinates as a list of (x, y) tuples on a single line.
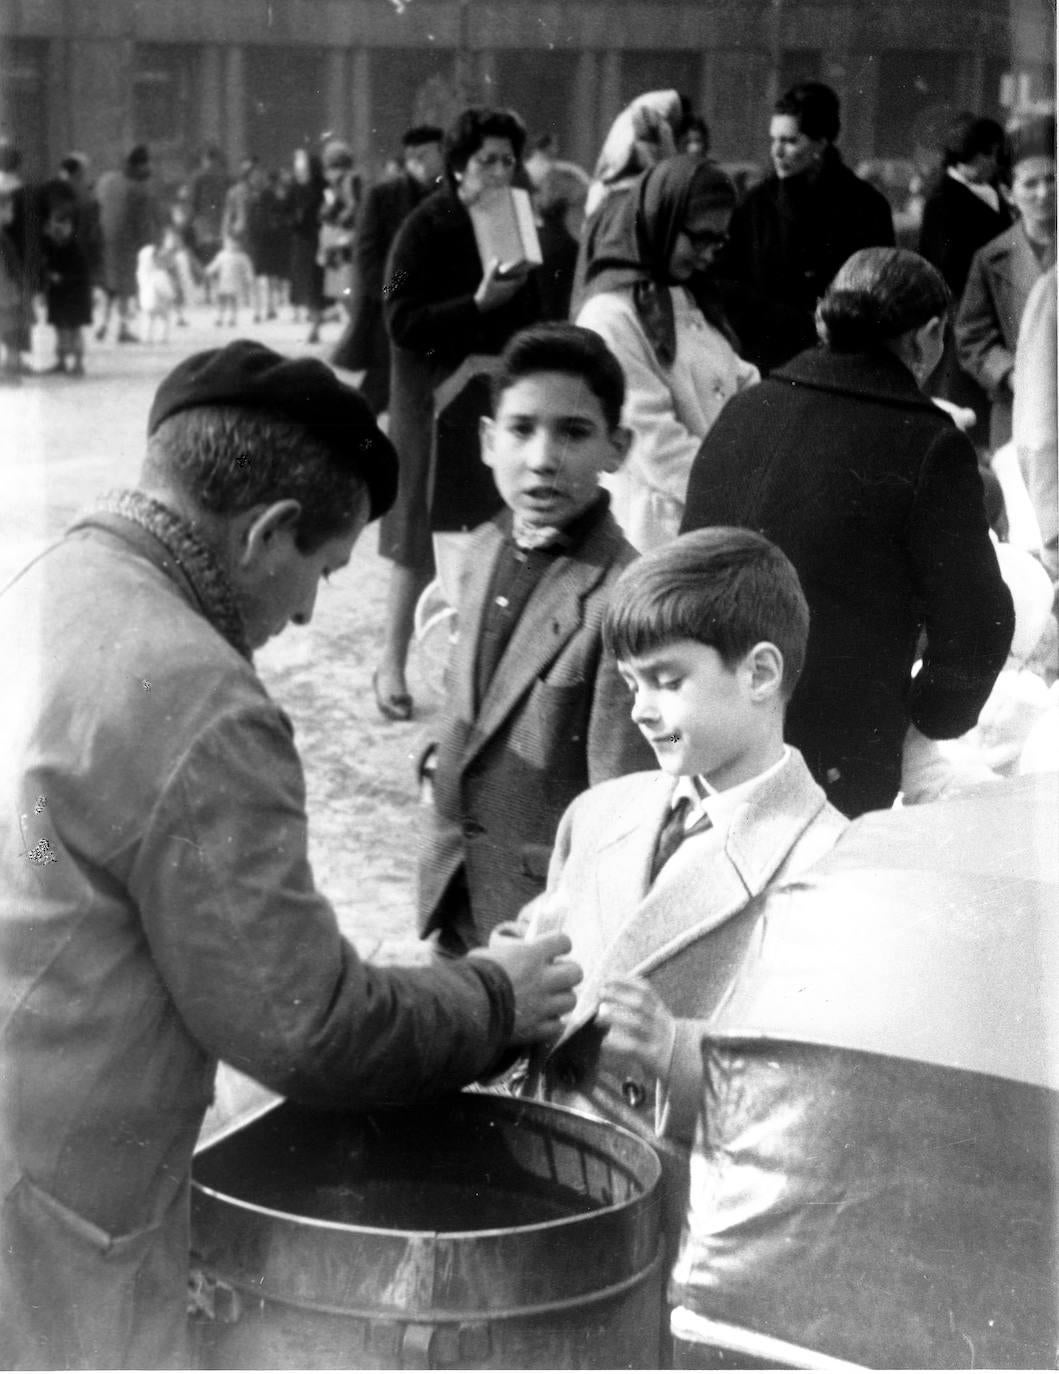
[(674, 832)]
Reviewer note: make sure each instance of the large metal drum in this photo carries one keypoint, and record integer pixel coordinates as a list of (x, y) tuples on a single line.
[(482, 1232)]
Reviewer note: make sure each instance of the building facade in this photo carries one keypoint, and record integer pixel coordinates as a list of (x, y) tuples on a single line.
[(263, 76)]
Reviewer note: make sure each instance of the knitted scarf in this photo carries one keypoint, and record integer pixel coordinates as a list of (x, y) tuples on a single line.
[(173, 546)]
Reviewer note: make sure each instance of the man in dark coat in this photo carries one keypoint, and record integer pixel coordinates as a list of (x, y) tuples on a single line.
[(364, 343), (874, 495), (795, 230)]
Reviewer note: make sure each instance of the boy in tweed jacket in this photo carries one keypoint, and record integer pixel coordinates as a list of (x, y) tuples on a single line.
[(536, 711)]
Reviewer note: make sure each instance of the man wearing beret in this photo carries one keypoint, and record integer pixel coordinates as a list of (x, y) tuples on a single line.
[(157, 910)]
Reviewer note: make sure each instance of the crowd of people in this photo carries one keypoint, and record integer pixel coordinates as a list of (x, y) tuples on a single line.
[(733, 566)]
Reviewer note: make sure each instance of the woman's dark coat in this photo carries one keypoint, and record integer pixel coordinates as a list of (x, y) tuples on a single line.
[(434, 324), (785, 243), (875, 497)]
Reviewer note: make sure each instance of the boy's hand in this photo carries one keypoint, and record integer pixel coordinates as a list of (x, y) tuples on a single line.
[(495, 290), (639, 1025), (543, 982)]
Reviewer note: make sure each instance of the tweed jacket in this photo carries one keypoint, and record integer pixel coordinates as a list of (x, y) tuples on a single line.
[(999, 283), (875, 497), (554, 720), (157, 913)]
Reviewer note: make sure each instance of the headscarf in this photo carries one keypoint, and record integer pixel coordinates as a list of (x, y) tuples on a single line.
[(632, 250), (651, 118)]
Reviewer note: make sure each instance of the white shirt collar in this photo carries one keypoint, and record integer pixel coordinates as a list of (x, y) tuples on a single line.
[(720, 806), (981, 189)]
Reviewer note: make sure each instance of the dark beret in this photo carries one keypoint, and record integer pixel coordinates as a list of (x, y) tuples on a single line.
[(302, 390)]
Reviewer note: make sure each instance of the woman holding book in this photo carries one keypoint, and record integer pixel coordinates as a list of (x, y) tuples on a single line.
[(441, 306), (680, 366)]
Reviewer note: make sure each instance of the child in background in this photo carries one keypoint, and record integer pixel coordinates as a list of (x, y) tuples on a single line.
[(535, 711), (13, 312), (67, 288), (232, 274)]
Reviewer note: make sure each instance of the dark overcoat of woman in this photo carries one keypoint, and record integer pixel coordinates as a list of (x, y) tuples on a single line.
[(786, 241), (434, 324), (874, 495)]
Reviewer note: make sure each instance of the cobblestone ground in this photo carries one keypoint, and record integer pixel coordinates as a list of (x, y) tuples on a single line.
[(64, 440)]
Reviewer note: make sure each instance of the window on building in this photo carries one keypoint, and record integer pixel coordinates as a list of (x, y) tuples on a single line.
[(161, 89)]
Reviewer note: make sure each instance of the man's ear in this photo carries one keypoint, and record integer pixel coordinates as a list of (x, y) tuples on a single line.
[(765, 663), (262, 527), (486, 434), (620, 443)]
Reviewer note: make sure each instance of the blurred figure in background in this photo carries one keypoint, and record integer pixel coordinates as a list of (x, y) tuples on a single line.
[(386, 206), (208, 188), (560, 204), (129, 219), (1003, 273), (67, 283), (304, 204), (21, 250), (338, 219), (795, 229), (964, 211), (642, 135), (1034, 426), (693, 137), (273, 245)]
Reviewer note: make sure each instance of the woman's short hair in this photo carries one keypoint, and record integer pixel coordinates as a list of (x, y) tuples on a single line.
[(722, 586), (877, 295), (473, 127), (568, 349), (969, 136), (815, 107), (226, 459)]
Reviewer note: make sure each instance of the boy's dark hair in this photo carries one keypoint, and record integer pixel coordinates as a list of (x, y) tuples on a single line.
[(815, 107), (473, 127), (419, 134), (968, 136), (566, 348), (725, 587), (227, 459)]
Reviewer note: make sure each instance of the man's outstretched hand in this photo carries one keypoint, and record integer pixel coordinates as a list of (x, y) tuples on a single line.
[(543, 982)]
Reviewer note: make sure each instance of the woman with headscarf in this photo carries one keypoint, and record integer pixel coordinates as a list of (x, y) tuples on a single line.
[(642, 135), (680, 367)]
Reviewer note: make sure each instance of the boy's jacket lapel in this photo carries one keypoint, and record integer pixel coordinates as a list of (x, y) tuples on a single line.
[(702, 885), (553, 616)]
